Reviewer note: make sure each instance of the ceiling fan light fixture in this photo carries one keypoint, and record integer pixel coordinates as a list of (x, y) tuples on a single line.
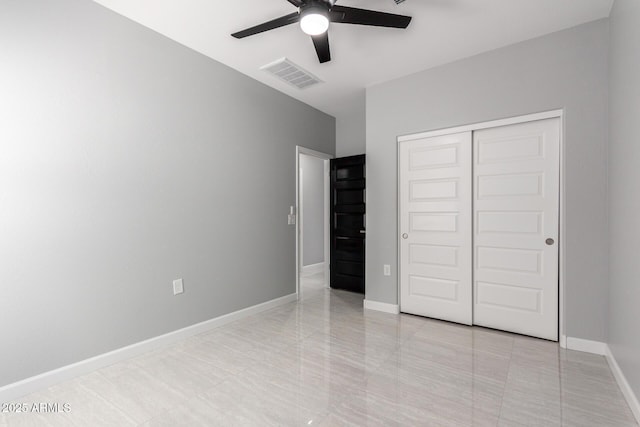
[(314, 21), (315, 17)]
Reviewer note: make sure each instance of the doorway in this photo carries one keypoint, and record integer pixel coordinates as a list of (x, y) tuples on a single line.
[(312, 225)]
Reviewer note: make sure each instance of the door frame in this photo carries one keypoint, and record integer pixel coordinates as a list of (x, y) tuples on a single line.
[(559, 114), (300, 150)]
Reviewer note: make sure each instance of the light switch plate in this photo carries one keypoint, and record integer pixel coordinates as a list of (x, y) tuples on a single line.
[(387, 270), (178, 286)]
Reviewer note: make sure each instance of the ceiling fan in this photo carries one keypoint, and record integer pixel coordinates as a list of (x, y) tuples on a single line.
[(314, 17)]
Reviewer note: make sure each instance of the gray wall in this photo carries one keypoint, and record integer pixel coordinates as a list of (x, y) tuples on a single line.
[(126, 161), (312, 210), (566, 70), (624, 195), (351, 129)]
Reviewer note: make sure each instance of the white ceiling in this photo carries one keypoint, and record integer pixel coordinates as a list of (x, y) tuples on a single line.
[(441, 31)]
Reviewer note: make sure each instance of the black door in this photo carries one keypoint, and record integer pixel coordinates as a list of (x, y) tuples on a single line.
[(347, 223)]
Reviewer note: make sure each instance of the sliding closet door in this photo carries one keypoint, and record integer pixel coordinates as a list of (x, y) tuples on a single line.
[(516, 193), (435, 227)]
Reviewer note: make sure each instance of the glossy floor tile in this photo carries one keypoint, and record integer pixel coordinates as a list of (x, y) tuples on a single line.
[(325, 361)]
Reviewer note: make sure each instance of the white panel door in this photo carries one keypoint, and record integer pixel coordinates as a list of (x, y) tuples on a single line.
[(435, 227), (516, 193)]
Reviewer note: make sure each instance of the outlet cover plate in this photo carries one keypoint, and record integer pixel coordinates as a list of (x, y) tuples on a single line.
[(178, 286)]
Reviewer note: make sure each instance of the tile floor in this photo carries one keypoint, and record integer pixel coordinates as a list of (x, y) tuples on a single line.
[(325, 362)]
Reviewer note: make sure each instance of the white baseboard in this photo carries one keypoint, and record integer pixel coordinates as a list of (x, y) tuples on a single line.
[(563, 341), (47, 379), (381, 306), (603, 349), (627, 391), (313, 268), (588, 346)]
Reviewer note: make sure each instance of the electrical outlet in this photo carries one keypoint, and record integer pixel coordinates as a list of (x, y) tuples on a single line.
[(387, 270), (178, 286)]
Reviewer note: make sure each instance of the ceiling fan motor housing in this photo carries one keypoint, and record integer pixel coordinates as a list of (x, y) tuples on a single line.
[(325, 4), (315, 6)]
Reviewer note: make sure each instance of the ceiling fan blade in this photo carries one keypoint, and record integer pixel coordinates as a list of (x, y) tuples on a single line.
[(296, 3), (276, 23), (321, 42), (352, 15)]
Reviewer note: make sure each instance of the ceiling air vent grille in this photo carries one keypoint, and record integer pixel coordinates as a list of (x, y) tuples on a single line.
[(291, 73)]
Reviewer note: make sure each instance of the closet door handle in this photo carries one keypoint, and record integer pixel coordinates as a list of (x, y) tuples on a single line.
[(405, 236), (549, 241)]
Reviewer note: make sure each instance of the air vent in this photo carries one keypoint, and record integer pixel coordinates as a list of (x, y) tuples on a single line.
[(291, 73)]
